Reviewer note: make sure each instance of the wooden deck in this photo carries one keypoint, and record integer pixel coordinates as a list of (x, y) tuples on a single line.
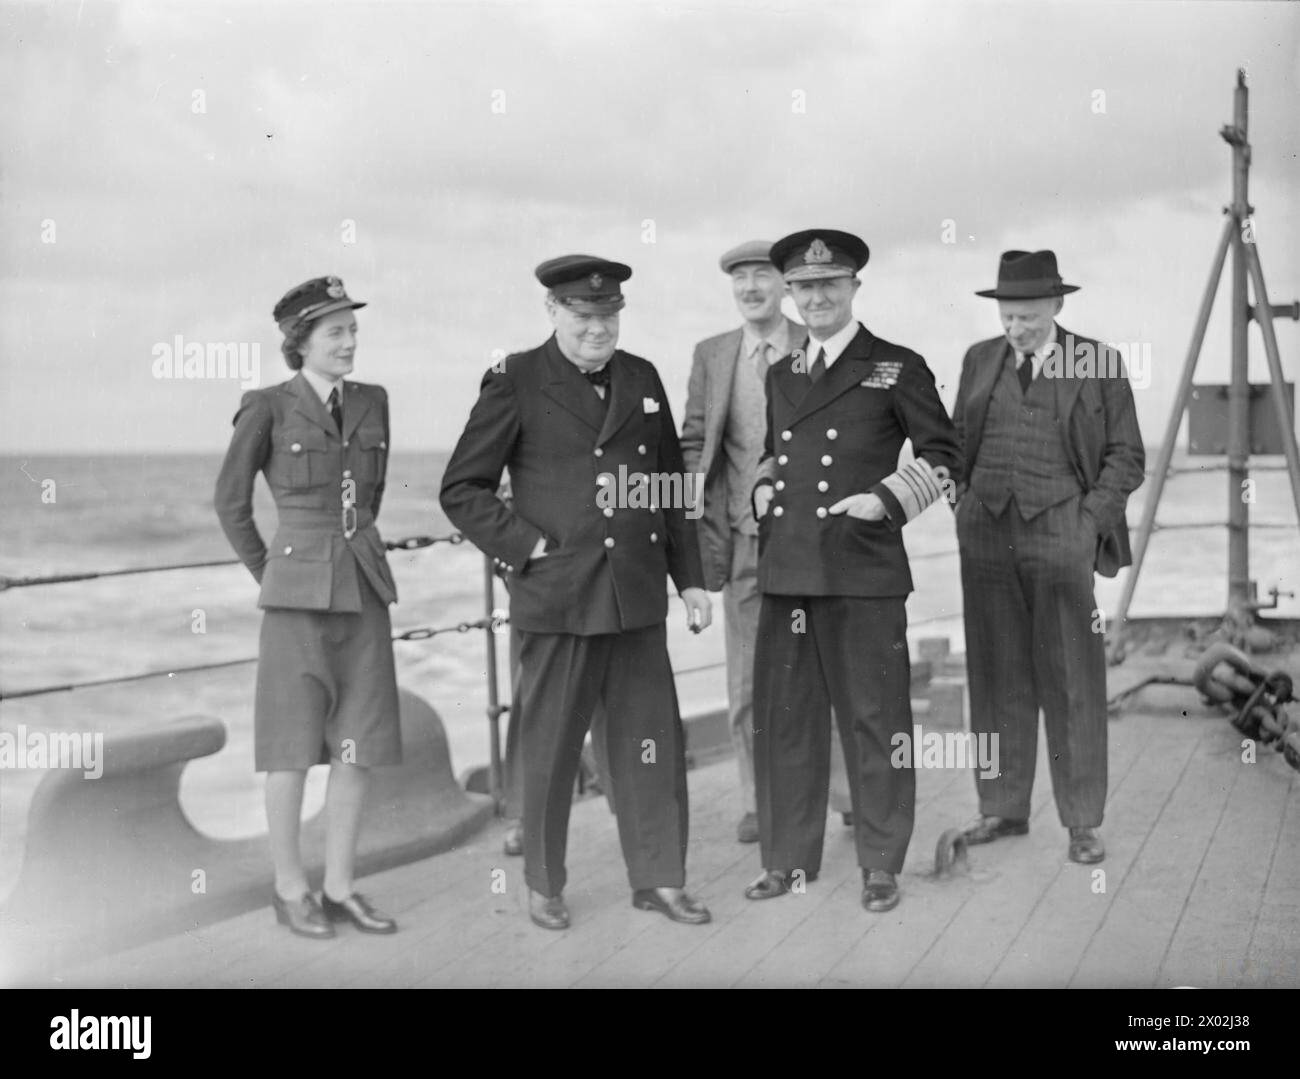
[(1201, 887)]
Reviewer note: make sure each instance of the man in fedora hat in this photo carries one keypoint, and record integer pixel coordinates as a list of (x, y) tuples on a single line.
[(588, 579), (1053, 451), (831, 502)]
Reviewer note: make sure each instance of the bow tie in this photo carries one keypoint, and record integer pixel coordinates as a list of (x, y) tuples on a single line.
[(599, 377)]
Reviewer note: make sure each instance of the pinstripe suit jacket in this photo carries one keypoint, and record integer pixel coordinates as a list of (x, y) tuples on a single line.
[(1098, 426)]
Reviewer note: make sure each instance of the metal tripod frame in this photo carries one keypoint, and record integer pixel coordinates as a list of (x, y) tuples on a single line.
[(1238, 235)]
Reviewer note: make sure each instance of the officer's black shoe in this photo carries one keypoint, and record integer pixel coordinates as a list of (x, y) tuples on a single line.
[(514, 841), (548, 911), (1086, 846), (986, 829), (357, 910), (879, 890), (680, 908)]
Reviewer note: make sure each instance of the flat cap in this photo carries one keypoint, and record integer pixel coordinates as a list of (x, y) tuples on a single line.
[(313, 299), (819, 253), (749, 251), (585, 283)]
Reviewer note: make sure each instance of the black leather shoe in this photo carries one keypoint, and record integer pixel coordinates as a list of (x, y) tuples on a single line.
[(514, 841), (747, 829), (548, 911), (1086, 846), (303, 916), (681, 908), (986, 829), (357, 910), (773, 883), (879, 890)]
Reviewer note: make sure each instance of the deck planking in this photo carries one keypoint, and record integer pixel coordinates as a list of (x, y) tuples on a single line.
[(1202, 887)]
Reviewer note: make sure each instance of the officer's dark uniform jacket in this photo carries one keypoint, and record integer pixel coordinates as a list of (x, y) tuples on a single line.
[(288, 434), (841, 436), (605, 566)]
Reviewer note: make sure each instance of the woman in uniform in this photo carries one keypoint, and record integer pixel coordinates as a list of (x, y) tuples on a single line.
[(326, 688)]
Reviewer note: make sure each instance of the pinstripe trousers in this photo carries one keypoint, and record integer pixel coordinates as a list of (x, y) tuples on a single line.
[(1032, 641)]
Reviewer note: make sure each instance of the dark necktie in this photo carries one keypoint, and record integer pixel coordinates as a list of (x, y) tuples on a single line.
[(1026, 372), (336, 409), (599, 377), (818, 367)]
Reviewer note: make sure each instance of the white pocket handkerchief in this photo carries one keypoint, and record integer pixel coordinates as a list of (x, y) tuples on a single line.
[(649, 405)]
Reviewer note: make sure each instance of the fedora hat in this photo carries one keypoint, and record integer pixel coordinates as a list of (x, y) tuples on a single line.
[(1027, 275)]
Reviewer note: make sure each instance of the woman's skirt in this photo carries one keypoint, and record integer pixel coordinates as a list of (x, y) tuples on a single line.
[(326, 688)]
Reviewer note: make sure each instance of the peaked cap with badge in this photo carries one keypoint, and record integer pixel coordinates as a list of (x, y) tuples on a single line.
[(819, 253), (312, 300), (585, 284)]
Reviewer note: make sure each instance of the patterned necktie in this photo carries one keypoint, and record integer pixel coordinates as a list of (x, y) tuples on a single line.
[(818, 367), (1026, 372), (336, 409)]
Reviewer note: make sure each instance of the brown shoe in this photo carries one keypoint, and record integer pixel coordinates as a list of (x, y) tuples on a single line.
[(303, 916), (1086, 846), (514, 841), (986, 829), (548, 911), (357, 910), (772, 884)]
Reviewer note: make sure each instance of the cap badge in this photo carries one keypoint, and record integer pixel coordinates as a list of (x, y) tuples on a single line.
[(333, 288), (817, 252), (595, 281)]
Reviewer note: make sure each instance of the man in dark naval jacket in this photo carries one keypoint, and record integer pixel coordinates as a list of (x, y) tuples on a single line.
[(1053, 451), (831, 501), (597, 524)]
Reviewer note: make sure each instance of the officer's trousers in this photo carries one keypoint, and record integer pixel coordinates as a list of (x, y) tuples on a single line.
[(815, 652)]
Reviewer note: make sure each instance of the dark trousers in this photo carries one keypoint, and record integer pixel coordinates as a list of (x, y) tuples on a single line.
[(1033, 641), (512, 780), (563, 679), (851, 654)]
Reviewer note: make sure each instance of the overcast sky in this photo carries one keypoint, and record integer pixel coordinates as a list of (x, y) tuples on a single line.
[(192, 161)]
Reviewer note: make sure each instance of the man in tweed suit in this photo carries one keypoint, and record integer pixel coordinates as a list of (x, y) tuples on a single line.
[(722, 439), (1053, 451)]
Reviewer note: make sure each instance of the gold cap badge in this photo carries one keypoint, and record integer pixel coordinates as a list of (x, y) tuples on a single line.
[(817, 252)]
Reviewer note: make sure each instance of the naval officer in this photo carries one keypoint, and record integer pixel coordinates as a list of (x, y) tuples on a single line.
[(326, 688), (831, 502), (573, 419)]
